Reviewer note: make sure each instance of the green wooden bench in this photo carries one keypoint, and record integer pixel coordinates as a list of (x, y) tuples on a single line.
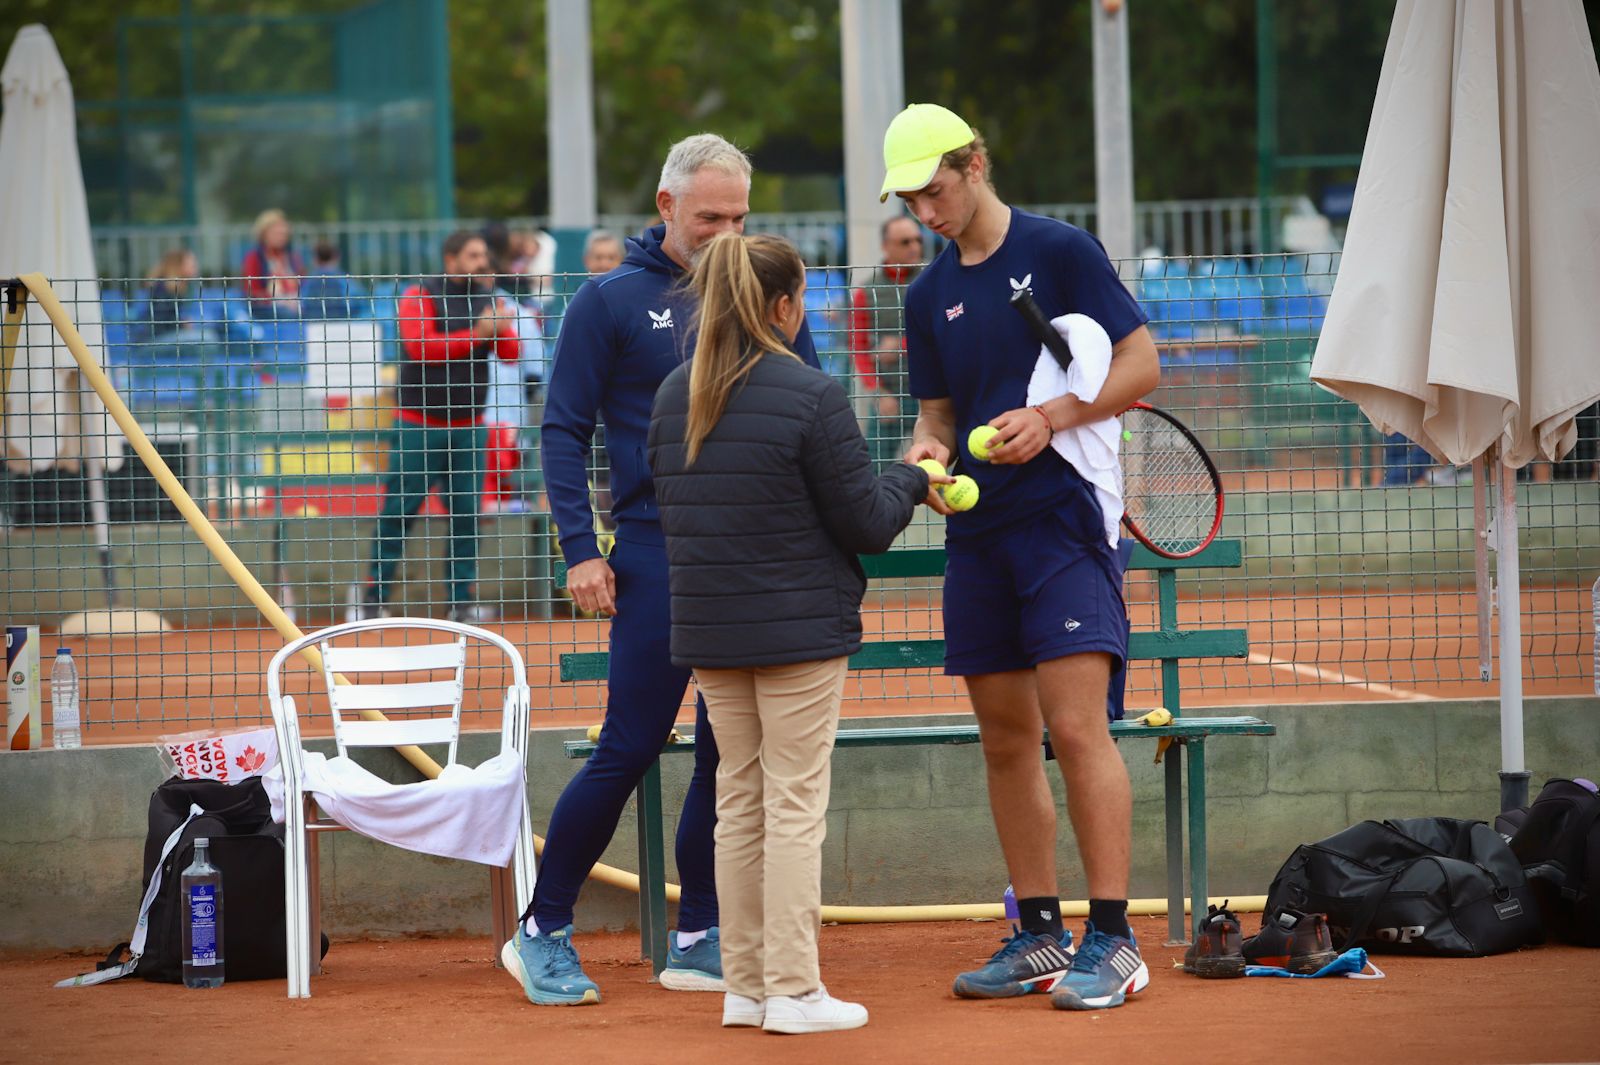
[(1166, 644)]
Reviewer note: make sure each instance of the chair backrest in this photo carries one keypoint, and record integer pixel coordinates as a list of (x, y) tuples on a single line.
[(344, 659)]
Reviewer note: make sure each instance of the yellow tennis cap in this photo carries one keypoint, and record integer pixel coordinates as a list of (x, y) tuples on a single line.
[(915, 142)]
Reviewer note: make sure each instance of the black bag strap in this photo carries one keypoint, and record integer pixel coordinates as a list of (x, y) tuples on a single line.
[(113, 957)]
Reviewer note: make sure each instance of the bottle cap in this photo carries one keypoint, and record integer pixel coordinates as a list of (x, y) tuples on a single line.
[(64, 651), (202, 841)]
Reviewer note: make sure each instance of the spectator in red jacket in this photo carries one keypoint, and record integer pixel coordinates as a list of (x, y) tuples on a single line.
[(450, 327), (271, 270)]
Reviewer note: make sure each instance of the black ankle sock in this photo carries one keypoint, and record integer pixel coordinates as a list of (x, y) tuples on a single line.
[(1110, 916), (1041, 916)]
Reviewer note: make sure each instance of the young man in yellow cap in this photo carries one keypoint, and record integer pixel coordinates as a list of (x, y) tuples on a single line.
[(1034, 618)]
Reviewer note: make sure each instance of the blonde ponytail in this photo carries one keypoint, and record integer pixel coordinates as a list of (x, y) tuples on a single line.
[(737, 281)]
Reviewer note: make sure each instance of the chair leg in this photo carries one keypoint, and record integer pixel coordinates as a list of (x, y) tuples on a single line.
[(293, 886), (502, 900), (313, 916)]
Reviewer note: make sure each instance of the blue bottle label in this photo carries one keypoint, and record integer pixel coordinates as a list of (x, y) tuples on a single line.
[(203, 924)]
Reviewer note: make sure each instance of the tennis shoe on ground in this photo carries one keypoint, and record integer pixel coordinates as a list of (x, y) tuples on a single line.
[(1104, 972), (815, 1011), (547, 966), (696, 968), (741, 1012), (1216, 951), (1026, 963), (1289, 939)]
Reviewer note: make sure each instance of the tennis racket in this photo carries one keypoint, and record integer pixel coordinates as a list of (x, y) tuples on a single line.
[(1172, 496)]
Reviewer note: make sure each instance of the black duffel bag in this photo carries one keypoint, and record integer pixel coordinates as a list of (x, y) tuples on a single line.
[(1421, 885)]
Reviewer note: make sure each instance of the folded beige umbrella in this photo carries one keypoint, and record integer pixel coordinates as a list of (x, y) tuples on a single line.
[(51, 416), (1466, 314)]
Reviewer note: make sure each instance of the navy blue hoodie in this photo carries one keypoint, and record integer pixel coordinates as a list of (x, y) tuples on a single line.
[(622, 334)]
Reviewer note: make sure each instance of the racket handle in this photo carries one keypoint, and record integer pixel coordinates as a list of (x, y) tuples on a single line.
[(1045, 333)]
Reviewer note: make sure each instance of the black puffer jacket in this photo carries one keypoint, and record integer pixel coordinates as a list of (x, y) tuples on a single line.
[(763, 530)]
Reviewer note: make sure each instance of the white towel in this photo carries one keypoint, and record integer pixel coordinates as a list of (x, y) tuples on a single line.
[(468, 812), (1092, 449)]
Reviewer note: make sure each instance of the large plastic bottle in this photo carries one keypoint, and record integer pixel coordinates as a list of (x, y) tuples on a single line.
[(65, 720), (202, 920)]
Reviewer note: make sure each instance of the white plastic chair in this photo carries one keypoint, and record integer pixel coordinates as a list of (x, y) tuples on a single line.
[(511, 888)]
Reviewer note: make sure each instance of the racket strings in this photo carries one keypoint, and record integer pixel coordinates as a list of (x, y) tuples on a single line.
[(1168, 489)]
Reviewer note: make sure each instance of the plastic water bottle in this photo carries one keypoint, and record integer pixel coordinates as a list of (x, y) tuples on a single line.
[(202, 925), (64, 718), (1012, 913)]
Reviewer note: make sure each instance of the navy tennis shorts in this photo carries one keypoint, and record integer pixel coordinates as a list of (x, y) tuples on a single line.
[(1043, 590)]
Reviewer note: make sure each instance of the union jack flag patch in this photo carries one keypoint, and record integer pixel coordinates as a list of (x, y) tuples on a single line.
[(952, 313)]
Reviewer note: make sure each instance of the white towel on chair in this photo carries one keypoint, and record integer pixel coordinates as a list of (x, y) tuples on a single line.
[(469, 812), (1091, 449)]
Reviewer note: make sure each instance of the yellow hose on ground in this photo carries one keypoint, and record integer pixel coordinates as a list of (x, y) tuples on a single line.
[(236, 569)]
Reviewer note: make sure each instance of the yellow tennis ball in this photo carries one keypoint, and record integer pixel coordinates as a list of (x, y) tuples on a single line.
[(963, 495), (934, 467), (980, 440)]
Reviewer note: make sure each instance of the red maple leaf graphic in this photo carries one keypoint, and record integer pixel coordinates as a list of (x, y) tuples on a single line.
[(250, 760)]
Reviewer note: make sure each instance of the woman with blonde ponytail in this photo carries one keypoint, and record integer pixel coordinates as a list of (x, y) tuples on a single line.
[(767, 496)]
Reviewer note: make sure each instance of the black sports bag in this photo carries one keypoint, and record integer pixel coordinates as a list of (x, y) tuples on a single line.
[(246, 846), (1557, 840), (1423, 885)]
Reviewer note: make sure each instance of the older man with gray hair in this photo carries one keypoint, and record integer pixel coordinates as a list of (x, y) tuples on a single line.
[(623, 333)]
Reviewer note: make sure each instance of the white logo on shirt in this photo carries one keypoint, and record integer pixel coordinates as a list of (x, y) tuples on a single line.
[(952, 313), (662, 320), (1018, 286), (1073, 624)]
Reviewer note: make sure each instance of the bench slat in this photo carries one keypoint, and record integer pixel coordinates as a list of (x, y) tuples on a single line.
[(924, 735), (929, 654), (929, 561)]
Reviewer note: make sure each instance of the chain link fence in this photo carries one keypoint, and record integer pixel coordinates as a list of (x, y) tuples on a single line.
[(279, 416)]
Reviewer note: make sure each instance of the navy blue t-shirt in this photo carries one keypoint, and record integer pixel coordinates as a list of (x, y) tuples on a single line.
[(966, 343)]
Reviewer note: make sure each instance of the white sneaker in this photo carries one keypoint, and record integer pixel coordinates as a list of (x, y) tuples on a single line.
[(816, 1011), (741, 1012)]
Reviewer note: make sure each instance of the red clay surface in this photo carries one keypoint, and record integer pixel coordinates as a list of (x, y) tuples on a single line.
[(1351, 645), (441, 1001)]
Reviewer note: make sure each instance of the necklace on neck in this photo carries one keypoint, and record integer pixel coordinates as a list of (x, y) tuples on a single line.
[(1001, 239)]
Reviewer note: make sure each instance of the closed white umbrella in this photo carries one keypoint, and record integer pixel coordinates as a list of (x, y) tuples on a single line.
[(52, 418), (1467, 309)]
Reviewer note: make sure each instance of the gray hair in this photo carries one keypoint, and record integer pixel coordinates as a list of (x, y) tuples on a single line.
[(693, 154), (599, 236)]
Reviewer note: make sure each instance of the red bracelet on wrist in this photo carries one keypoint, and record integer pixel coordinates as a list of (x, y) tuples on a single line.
[(1049, 428)]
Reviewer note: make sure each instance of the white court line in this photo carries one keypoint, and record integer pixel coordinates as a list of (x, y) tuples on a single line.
[(1330, 676)]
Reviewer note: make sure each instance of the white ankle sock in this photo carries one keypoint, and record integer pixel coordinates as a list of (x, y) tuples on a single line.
[(689, 939), (531, 927)]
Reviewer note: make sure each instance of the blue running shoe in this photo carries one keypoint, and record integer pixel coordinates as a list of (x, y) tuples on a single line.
[(697, 968), (1025, 964), (548, 967), (1105, 971)]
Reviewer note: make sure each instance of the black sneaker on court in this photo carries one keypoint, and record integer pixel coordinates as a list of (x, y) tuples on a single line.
[(1215, 953), (1026, 963), (1289, 939)]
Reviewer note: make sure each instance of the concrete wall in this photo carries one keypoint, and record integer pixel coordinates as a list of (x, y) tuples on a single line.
[(907, 825)]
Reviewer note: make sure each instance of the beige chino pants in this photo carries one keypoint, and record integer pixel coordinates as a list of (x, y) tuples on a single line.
[(775, 727)]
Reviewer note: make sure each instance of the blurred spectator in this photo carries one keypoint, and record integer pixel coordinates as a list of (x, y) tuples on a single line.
[(878, 345), (330, 292), (271, 270), (524, 252), (452, 328), (172, 298), (602, 252), (510, 276)]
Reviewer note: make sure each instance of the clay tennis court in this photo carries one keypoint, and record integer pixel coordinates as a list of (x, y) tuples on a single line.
[(1349, 646), (442, 1001)]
